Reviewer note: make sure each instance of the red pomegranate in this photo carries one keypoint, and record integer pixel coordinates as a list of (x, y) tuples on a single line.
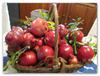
[(63, 31), (50, 38), (65, 50), (36, 48), (39, 42), (73, 59), (28, 39), (45, 52), (63, 41), (39, 27), (79, 35), (85, 53), (14, 36), (28, 58)]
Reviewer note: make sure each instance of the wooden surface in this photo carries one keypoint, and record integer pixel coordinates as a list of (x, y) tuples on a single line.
[(88, 12), (26, 8)]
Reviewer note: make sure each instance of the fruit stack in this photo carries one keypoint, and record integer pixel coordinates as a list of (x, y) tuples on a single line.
[(34, 47), (31, 47)]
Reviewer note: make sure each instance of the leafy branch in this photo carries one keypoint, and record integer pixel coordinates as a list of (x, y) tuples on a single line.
[(75, 22), (44, 15), (51, 25), (14, 58)]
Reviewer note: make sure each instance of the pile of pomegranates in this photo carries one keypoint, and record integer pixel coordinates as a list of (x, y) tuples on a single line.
[(42, 42)]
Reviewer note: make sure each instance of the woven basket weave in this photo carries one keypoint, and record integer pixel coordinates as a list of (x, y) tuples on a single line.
[(64, 68), (32, 69)]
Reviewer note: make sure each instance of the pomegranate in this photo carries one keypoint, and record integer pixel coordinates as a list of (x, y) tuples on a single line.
[(85, 53), (50, 38), (36, 48), (39, 42), (14, 36), (27, 30), (63, 41), (65, 50), (17, 29), (63, 31), (73, 59), (39, 27), (27, 58), (45, 52), (49, 61), (28, 39), (79, 35)]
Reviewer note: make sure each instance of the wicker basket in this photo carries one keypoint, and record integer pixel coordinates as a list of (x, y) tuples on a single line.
[(63, 69)]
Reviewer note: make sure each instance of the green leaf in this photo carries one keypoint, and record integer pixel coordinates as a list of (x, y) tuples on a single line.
[(66, 37), (75, 22), (92, 44), (26, 22), (44, 15), (5, 67), (71, 24), (14, 57), (79, 18), (51, 25)]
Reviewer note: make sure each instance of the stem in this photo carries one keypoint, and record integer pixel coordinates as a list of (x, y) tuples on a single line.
[(66, 37), (56, 30), (75, 50), (5, 66), (80, 43), (12, 60)]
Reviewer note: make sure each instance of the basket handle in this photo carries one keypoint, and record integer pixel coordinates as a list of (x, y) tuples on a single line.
[(56, 30)]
